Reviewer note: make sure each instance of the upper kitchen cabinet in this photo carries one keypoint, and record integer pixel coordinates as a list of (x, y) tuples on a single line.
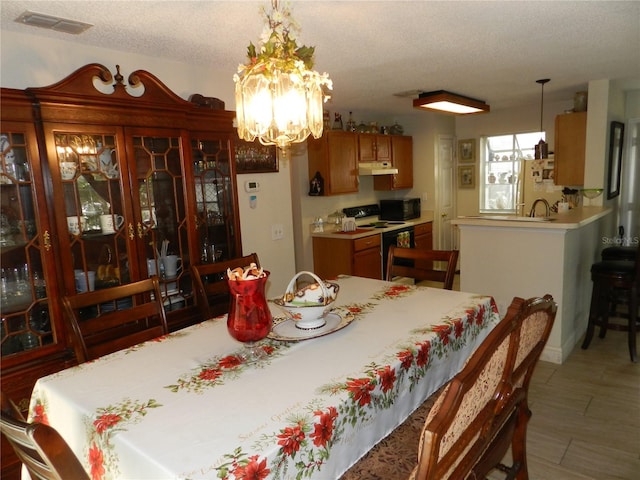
[(570, 145), (402, 159), (374, 147), (335, 157)]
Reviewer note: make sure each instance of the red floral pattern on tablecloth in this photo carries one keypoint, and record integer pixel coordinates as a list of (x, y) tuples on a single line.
[(306, 441), (221, 368), (107, 421)]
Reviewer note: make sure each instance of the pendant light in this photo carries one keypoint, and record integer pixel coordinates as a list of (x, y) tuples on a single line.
[(542, 148), (278, 97)]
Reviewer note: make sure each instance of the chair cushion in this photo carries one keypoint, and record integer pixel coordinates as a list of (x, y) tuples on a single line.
[(619, 253), (620, 267)]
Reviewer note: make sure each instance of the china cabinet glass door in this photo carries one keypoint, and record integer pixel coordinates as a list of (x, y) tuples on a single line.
[(215, 202), (25, 243), (87, 169), (162, 222)]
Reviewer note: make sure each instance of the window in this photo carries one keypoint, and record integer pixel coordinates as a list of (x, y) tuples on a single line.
[(502, 170)]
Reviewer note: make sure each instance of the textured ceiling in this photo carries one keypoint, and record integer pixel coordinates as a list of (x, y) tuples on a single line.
[(490, 50)]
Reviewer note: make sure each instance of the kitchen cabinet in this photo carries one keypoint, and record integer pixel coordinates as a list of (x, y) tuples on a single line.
[(569, 148), (360, 256), (334, 156), (374, 147), (423, 238), (93, 185), (402, 159)]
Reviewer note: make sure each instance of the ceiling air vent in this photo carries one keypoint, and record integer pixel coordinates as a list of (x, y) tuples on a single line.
[(53, 23)]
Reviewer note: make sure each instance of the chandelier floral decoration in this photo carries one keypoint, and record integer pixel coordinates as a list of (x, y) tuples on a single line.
[(278, 96)]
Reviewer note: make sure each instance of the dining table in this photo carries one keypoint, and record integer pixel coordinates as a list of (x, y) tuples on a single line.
[(188, 406)]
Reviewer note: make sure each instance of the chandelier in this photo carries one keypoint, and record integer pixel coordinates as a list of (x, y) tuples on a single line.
[(278, 96)]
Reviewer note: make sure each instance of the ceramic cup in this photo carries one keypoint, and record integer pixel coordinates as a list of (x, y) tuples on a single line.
[(82, 279), (75, 223), (68, 170), (110, 223), (171, 263), (563, 207)]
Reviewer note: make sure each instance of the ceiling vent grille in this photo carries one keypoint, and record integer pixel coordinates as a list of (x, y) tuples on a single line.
[(53, 23)]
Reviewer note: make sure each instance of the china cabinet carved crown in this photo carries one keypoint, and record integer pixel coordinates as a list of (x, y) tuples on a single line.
[(104, 183)]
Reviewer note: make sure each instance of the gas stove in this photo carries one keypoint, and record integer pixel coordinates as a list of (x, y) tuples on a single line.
[(367, 216)]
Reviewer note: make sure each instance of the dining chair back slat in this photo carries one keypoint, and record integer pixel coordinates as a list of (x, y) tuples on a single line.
[(40, 448), (419, 264), (112, 319), (210, 284)]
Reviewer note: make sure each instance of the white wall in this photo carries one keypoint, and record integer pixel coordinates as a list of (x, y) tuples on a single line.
[(30, 61)]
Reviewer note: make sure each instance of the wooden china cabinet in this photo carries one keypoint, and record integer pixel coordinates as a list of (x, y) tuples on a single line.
[(100, 181)]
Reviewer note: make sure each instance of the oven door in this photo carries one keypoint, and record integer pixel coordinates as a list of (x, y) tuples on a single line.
[(402, 237)]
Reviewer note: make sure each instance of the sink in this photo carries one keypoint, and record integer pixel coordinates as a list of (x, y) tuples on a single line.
[(511, 218)]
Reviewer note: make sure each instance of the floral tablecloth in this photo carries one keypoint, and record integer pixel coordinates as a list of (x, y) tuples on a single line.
[(185, 406)]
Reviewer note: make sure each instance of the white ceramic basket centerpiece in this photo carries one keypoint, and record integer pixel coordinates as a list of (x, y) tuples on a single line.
[(308, 306)]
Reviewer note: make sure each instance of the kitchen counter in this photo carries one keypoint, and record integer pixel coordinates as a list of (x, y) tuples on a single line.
[(576, 218), (506, 258), (361, 232)]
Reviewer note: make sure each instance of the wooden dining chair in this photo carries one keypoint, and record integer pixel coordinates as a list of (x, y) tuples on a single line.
[(418, 264), (40, 448), (210, 284), (111, 319), (483, 410)]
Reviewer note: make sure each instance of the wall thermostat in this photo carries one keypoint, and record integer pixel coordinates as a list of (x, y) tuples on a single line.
[(251, 186)]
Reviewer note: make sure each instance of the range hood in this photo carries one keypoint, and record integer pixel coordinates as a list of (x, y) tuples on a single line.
[(376, 168)]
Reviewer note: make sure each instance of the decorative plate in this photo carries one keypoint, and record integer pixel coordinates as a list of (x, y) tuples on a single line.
[(285, 328)]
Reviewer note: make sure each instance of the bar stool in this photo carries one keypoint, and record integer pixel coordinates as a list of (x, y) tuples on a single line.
[(619, 253), (614, 278)]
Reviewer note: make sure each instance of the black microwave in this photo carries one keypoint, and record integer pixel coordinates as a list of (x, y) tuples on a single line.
[(405, 209)]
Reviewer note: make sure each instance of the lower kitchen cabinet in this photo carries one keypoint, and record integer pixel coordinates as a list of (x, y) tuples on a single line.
[(423, 234), (335, 256), (423, 238)]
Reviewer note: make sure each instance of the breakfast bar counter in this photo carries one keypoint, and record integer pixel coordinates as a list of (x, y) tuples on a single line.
[(187, 406), (506, 256)]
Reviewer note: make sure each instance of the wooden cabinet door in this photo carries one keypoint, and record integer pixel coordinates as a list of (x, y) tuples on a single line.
[(402, 159), (30, 298), (383, 148), (367, 263), (335, 157), (424, 240), (570, 145), (214, 189), (374, 148)]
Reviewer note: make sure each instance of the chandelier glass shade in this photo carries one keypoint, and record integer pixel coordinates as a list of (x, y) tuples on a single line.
[(278, 97)]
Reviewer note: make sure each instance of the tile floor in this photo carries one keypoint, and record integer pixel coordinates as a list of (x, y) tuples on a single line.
[(585, 422)]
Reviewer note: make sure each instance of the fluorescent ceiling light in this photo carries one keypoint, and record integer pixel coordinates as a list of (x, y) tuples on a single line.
[(448, 102), (53, 23)]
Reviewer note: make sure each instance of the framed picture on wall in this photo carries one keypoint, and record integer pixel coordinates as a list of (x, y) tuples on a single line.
[(466, 176), (253, 157), (467, 150)]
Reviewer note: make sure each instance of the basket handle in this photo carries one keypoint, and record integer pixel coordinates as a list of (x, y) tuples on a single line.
[(291, 288)]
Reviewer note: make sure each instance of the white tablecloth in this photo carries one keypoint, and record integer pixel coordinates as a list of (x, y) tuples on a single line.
[(183, 406)]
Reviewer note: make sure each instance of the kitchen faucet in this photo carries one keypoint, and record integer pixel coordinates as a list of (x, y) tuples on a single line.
[(547, 213)]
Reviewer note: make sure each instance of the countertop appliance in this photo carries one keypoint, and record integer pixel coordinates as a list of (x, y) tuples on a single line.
[(403, 209)]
